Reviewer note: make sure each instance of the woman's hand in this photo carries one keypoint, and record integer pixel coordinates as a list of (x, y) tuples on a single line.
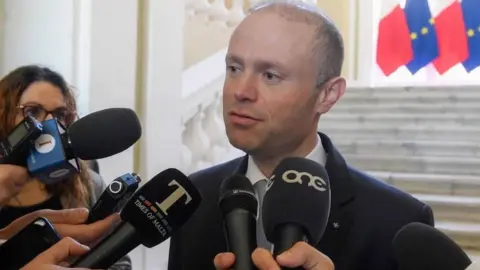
[(12, 180), (57, 255), (67, 223)]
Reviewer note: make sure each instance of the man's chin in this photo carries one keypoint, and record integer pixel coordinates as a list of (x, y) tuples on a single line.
[(243, 145)]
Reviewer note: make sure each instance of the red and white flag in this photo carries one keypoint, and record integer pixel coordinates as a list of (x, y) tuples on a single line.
[(451, 34)]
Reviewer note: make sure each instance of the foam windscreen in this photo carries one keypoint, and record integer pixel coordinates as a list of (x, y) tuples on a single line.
[(418, 246), (161, 206), (104, 133), (298, 193), (237, 192)]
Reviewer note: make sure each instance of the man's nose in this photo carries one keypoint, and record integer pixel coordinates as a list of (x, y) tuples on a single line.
[(247, 89)]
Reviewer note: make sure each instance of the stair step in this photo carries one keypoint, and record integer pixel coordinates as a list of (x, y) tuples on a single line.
[(415, 90), (404, 98), (408, 148), (458, 185), (405, 108), (435, 165), (400, 119), (379, 94), (412, 132), (452, 208), (467, 235)]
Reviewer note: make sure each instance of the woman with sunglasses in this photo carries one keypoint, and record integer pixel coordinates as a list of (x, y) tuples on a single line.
[(44, 94)]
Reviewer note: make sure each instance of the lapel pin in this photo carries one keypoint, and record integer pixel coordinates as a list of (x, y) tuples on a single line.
[(336, 225)]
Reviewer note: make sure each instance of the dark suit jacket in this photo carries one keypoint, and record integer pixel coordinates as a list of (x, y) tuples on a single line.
[(368, 214)]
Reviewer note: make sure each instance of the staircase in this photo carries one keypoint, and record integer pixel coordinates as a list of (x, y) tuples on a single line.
[(425, 141)]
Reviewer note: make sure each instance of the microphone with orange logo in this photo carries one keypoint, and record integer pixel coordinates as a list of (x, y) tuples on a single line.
[(56, 152)]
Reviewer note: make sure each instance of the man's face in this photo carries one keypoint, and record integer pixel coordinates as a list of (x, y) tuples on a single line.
[(269, 95)]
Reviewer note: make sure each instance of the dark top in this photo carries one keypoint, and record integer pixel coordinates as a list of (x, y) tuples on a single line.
[(10, 213), (364, 217)]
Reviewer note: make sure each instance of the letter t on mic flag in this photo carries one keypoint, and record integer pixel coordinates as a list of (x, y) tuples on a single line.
[(394, 47), (422, 33), (450, 28), (471, 16)]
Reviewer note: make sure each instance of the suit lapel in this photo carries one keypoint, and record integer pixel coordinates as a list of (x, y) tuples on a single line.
[(242, 166), (341, 219)]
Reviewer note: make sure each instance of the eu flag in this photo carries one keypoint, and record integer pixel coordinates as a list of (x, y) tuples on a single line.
[(422, 33), (471, 15)]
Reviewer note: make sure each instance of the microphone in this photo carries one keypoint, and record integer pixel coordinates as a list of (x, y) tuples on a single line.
[(296, 205), (239, 206), (114, 198), (47, 160), (15, 148), (418, 246), (101, 134), (153, 213)]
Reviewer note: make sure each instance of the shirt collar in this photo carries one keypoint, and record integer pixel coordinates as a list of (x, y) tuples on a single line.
[(318, 154)]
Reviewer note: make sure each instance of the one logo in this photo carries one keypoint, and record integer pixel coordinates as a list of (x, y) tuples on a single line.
[(293, 176), (45, 143), (174, 197), (59, 173)]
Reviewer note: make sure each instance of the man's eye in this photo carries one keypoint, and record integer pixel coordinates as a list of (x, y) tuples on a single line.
[(271, 77), (232, 69)]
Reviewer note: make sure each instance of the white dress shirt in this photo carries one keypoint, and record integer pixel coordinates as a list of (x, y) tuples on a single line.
[(318, 154)]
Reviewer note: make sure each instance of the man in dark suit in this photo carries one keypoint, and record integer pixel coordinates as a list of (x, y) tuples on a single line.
[(283, 72)]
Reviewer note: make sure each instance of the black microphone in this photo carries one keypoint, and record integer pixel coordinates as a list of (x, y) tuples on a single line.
[(296, 205), (152, 214), (239, 207), (114, 197), (418, 246), (15, 148), (101, 134)]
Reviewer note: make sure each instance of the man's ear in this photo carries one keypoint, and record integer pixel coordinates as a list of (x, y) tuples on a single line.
[(332, 91)]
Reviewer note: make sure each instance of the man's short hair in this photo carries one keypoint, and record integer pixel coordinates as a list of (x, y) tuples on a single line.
[(328, 46)]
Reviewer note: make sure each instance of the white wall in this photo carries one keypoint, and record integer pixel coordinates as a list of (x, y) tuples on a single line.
[(112, 68), (2, 28), (82, 25), (161, 110), (27, 39)]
